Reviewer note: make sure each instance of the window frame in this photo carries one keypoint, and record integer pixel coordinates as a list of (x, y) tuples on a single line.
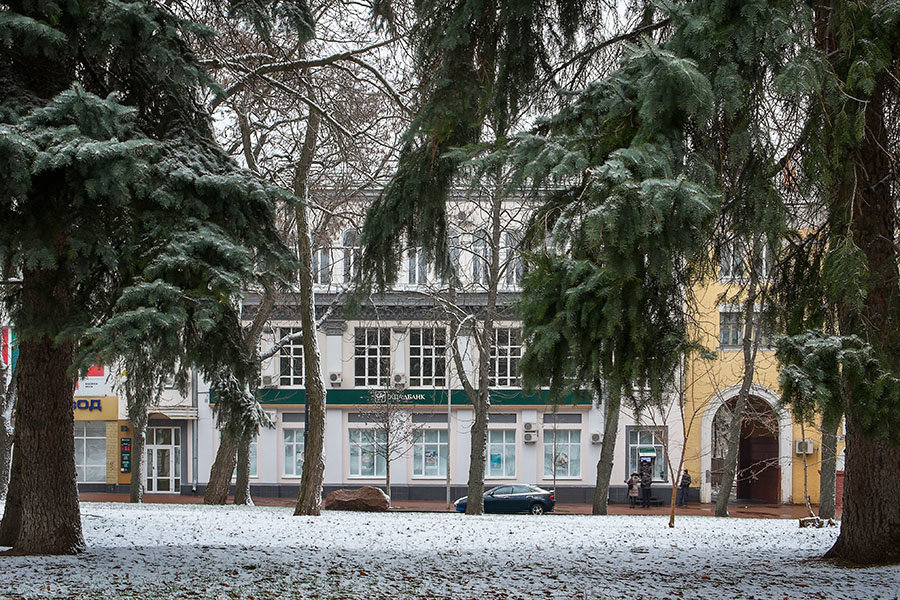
[(555, 431), (81, 467), (382, 357), (295, 346), (504, 444), (659, 447), (496, 359), (441, 444), (378, 459), (438, 357), (295, 442)]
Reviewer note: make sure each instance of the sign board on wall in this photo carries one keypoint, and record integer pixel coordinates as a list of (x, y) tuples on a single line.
[(125, 455), (95, 408)]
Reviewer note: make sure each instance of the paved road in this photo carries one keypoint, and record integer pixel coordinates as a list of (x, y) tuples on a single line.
[(767, 511)]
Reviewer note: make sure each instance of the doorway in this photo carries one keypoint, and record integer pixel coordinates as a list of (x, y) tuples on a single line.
[(164, 460), (758, 476)]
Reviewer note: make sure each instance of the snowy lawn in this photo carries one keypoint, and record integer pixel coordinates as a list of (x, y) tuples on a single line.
[(192, 551)]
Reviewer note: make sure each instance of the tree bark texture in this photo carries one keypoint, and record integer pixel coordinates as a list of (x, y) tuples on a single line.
[(6, 434), (607, 452), (870, 522), (46, 498), (222, 470), (309, 499), (477, 458), (242, 481), (828, 476), (139, 460), (749, 347)]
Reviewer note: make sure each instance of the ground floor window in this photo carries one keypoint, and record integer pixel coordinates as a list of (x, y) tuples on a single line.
[(293, 452), (367, 453), (646, 450), (501, 453), (430, 453), (562, 448), (90, 451)]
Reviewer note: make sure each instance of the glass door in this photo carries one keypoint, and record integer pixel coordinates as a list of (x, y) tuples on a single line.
[(164, 460)]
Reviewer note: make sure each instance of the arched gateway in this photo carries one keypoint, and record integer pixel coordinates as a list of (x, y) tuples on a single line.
[(765, 452)]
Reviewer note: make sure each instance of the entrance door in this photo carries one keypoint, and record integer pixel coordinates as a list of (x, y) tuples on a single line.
[(164, 459)]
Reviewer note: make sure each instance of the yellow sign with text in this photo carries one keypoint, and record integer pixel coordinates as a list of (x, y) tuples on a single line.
[(96, 408)]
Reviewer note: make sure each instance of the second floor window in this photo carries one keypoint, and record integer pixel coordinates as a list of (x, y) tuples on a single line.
[(427, 357), (351, 254), (732, 260), (514, 265), (321, 267), (372, 356), (418, 268), (290, 363), (506, 350), (731, 329), (481, 262)]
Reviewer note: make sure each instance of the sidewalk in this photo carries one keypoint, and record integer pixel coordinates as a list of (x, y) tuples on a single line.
[(750, 511)]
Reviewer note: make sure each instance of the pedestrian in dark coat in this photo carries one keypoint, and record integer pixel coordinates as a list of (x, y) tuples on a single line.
[(634, 485), (683, 488), (646, 482)]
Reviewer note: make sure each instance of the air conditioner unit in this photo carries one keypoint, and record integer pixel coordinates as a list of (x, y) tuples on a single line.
[(399, 379), (530, 438), (268, 381), (804, 447), (531, 427), (335, 378), (596, 438)]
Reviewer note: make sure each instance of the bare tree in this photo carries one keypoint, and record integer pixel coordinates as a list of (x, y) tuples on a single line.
[(390, 434)]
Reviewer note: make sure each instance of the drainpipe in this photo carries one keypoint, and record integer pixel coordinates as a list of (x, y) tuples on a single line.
[(195, 434)]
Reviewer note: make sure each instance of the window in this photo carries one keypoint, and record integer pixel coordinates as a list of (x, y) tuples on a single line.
[(90, 451), (372, 356), (366, 454), (291, 366), (321, 267), (427, 357), (731, 260), (293, 452), (731, 329), (514, 265), (505, 354), (562, 448), (351, 254), (253, 458), (455, 243), (418, 268), (501, 453), (647, 446), (430, 453), (482, 261)]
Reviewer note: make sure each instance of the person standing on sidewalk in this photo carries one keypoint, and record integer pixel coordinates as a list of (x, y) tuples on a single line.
[(634, 483), (683, 488), (646, 482)]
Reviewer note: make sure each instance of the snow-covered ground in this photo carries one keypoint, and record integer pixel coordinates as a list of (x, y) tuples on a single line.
[(191, 551)]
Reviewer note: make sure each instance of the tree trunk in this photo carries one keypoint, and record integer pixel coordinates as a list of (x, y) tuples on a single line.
[(387, 477), (829, 466), (242, 481), (222, 470), (6, 434), (44, 514), (309, 499), (138, 459), (475, 488), (607, 451), (12, 515), (870, 523), (749, 346)]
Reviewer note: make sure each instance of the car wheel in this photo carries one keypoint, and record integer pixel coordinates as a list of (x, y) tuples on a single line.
[(537, 509)]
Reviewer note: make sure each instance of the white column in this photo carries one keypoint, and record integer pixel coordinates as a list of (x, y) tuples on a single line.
[(529, 470)]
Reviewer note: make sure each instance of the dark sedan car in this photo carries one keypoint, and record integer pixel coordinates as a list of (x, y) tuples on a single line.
[(515, 499)]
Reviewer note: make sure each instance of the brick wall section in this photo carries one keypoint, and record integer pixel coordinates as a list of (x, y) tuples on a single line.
[(112, 452)]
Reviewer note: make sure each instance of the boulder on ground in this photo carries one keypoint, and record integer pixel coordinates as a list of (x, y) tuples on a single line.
[(366, 498)]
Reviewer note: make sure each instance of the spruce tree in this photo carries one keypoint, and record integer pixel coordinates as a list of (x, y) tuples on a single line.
[(111, 186)]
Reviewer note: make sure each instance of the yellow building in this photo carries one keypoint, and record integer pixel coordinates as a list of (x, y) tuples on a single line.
[(772, 450)]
